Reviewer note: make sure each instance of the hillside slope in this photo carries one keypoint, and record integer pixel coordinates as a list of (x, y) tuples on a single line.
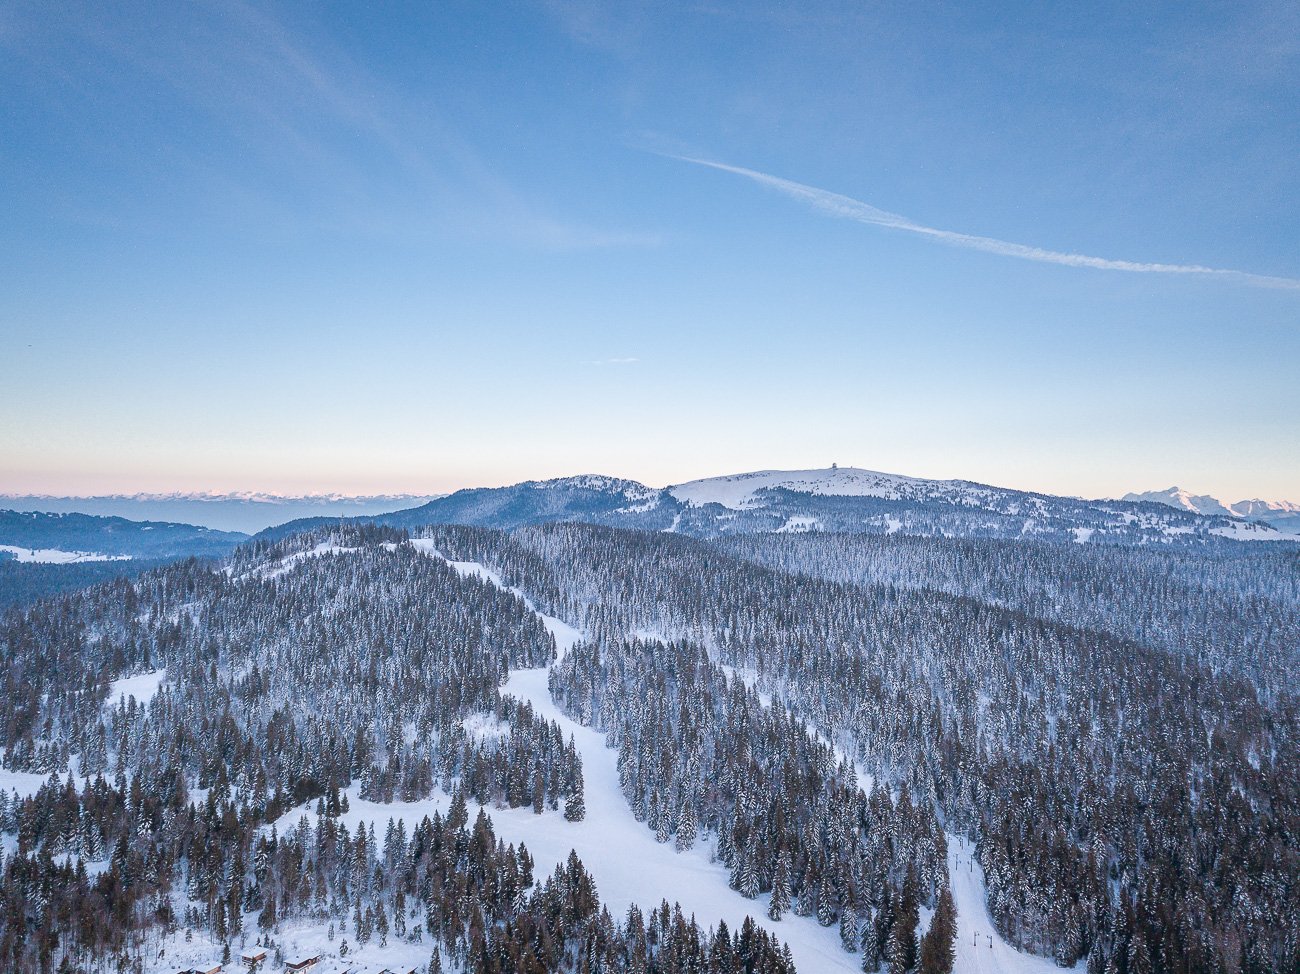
[(837, 499), (64, 538)]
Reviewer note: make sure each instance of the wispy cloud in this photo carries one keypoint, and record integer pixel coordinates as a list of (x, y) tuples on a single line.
[(287, 128), (845, 207), (630, 360)]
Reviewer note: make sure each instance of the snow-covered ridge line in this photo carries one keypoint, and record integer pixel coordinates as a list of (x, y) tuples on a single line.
[(597, 481), (565, 635), (1184, 500), (738, 491), (283, 565)]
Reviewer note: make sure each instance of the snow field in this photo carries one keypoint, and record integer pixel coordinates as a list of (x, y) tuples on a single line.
[(26, 783), (737, 491), (142, 687), (55, 556)]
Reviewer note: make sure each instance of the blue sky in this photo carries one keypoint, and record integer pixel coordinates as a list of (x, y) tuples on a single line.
[(417, 247)]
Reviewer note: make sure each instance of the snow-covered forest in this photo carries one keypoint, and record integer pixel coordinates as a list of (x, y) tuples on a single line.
[(588, 749)]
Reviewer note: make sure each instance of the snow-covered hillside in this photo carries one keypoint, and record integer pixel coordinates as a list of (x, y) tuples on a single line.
[(782, 731), (55, 556), (849, 499), (241, 511), (739, 491), (835, 499), (645, 871), (628, 864), (71, 537)]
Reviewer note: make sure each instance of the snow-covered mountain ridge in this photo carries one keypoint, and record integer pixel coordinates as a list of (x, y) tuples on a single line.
[(1283, 515), (839, 499), (739, 491)]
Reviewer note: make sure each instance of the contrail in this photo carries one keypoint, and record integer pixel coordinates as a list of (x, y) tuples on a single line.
[(848, 208)]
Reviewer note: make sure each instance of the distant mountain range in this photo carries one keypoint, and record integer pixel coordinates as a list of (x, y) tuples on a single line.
[(842, 499), (243, 511), (1283, 515), (42, 553), (834, 499)]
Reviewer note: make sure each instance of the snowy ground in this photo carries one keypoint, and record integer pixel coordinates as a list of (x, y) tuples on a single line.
[(56, 556), (979, 948), (297, 941), (26, 783), (1250, 531), (629, 866), (142, 687), (621, 854)]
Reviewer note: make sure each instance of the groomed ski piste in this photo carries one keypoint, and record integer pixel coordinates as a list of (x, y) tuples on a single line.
[(627, 863)]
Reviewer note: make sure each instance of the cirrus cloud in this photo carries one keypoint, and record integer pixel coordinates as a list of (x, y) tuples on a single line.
[(846, 207)]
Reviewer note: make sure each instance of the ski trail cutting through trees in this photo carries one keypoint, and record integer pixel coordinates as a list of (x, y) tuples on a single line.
[(979, 948), (620, 853)]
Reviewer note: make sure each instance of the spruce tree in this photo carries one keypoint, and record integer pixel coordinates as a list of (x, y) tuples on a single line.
[(937, 946), (575, 805), (780, 902), (826, 905), (849, 930), (686, 827)]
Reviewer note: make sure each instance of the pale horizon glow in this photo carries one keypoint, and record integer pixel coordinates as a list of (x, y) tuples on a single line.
[(449, 485)]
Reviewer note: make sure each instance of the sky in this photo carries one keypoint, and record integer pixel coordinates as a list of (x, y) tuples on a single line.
[(417, 247)]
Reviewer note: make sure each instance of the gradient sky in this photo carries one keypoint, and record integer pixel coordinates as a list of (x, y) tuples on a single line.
[(415, 247)]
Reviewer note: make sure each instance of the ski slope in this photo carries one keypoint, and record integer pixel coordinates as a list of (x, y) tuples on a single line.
[(624, 859), (979, 948), (629, 866), (621, 854)]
